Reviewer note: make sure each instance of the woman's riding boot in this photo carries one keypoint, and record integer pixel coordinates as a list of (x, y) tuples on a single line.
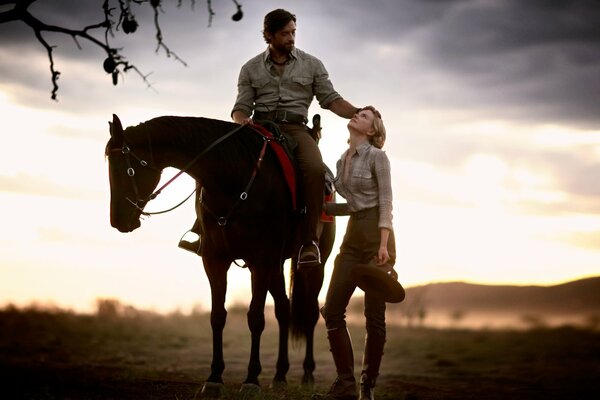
[(344, 386), (371, 361)]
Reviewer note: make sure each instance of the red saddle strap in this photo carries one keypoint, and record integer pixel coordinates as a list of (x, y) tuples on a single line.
[(287, 167)]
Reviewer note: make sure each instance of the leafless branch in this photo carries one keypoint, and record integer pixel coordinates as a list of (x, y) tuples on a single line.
[(159, 40), (115, 63)]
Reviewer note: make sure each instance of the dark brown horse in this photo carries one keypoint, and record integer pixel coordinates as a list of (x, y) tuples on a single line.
[(247, 214)]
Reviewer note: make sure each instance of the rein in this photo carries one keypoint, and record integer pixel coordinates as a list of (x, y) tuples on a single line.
[(222, 221), (126, 151)]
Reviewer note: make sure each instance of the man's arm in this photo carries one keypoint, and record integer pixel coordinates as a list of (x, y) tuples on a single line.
[(343, 108), (242, 108)]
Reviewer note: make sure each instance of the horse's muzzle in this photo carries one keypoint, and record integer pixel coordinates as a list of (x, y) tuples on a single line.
[(126, 227)]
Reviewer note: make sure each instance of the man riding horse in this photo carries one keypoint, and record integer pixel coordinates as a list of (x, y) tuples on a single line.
[(278, 85)]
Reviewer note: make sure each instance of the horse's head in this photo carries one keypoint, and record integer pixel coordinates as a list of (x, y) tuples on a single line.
[(132, 178)]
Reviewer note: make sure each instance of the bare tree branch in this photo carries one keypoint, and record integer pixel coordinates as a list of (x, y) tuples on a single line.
[(159, 40), (125, 21)]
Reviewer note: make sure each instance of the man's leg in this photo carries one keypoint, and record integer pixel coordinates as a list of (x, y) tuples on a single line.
[(312, 179)]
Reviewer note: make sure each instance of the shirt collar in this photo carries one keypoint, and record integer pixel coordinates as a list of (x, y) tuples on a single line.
[(363, 147)]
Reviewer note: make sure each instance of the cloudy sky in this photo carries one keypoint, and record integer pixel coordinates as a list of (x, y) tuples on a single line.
[(493, 117)]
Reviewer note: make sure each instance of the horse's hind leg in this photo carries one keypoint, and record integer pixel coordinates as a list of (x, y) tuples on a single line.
[(282, 313), (312, 283)]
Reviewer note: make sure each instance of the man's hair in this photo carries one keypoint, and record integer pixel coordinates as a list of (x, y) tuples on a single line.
[(275, 21)]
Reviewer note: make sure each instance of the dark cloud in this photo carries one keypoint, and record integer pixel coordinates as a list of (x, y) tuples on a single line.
[(69, 14), (535, 60)]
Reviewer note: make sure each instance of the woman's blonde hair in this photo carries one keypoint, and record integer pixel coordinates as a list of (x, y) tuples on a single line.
[(378, 139)]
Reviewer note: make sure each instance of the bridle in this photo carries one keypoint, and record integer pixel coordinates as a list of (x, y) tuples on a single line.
[(140, 202)]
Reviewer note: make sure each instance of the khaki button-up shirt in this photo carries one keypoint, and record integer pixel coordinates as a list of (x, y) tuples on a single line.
[(261, 88)]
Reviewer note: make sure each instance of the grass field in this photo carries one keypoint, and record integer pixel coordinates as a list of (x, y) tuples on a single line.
[(136, 355)]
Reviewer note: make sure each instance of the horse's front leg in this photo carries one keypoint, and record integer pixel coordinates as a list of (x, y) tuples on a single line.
[(216, 270), (308, 365), (282, 313), (256, 323)]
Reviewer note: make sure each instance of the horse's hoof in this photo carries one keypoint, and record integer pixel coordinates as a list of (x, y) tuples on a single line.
[(308, 383), (211, 390), (250, 391), (278, 385)]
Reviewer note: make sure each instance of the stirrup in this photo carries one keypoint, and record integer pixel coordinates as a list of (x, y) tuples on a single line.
[(190, 243), (309, 262)]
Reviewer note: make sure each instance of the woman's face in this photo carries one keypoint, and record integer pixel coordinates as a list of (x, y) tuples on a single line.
[(362, 122)]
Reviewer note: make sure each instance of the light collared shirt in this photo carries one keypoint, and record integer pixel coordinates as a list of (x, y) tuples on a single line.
[(368, 182), (261, 88)]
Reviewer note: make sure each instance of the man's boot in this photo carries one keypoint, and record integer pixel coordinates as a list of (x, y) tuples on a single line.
[(370, 369), (309, 255), (344, 386)]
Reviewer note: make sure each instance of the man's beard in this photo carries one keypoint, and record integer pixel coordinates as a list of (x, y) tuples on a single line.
[(285, 48)]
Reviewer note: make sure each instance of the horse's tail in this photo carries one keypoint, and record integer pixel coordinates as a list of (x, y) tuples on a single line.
[(304, 300), (305, 286)]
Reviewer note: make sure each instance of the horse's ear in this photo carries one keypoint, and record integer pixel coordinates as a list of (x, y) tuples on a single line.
[(116, 128)]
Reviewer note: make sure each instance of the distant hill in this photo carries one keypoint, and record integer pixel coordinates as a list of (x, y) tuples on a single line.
[(577, 298), (573, 297)]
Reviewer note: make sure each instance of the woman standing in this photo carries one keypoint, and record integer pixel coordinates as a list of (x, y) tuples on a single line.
[(364, 180)]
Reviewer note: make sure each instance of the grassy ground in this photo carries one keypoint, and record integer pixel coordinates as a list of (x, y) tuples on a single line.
[(59, 355)]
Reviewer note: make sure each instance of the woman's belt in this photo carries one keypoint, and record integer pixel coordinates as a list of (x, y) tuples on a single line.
[(372, 212)]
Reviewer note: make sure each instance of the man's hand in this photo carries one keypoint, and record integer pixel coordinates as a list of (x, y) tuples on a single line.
[(241, 118), (343, 108)]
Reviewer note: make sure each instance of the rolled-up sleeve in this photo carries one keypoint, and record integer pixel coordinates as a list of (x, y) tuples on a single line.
[(322, 86), (245, 98), (384, 186)]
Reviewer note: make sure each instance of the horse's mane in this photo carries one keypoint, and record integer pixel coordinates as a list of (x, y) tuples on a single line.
[(169, 131), (173, 129)]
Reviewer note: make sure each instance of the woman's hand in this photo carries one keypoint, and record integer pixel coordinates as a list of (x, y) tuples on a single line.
[(382, 255)]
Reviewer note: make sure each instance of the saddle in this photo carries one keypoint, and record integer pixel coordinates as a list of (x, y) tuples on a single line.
[(284, 146)]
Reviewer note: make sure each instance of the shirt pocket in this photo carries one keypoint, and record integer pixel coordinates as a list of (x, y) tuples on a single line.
[(262, 87), (303, 85), (363, 180), (259, 82)]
